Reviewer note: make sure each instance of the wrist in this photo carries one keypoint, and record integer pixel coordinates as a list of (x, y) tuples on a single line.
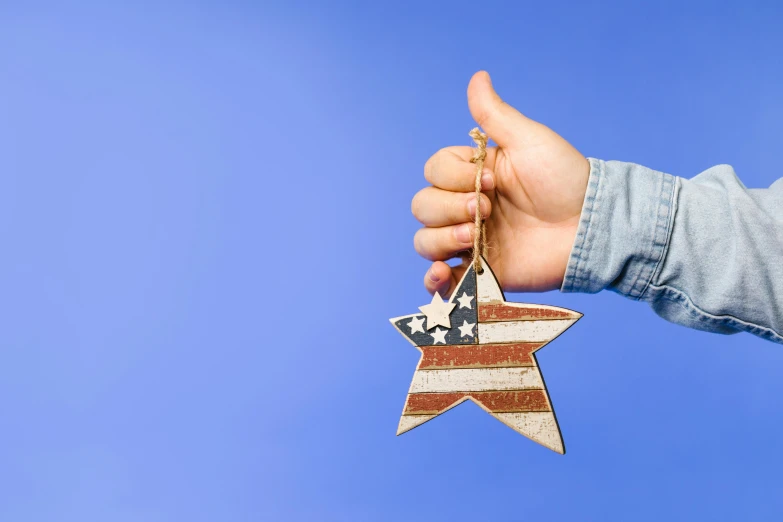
[(623, 229)]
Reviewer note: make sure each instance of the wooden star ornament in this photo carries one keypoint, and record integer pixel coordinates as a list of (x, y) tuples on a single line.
[(479, 347)]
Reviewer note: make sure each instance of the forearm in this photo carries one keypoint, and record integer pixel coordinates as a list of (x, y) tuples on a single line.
[(705, 253)]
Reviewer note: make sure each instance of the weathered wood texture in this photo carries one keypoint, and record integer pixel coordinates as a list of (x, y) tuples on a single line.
[(487, 287), (458, 316), (486, 356), (476, 379), (494, 401), (516, 331), (494, 311), (478, 356), (540, 426), (408, 422)]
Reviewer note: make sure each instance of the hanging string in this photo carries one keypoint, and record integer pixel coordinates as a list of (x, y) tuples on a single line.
[(479, 235)]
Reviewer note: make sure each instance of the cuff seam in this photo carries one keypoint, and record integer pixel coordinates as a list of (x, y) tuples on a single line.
[(582, 245), (648, 265), (668, 225)]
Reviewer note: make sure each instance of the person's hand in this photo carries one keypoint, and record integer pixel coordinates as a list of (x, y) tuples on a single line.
[(533, 188)]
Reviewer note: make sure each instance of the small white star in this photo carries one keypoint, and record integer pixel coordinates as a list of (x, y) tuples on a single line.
[(464, 301), (437, 312), (416, 325), (439, 336), (466, 329)]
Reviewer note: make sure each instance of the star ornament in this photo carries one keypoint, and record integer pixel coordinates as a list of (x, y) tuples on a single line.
[(437, 312), (485, 353)]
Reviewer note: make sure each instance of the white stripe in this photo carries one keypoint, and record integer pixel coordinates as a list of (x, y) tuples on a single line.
[(539, 426), (487, 287), (408, 422), (519, 331), (476, 379), (533, 307)]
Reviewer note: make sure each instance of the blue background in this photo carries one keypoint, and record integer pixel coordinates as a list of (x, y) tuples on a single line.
[(205, 224)]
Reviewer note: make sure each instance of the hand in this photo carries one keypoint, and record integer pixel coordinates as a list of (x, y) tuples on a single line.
[(533, 187)]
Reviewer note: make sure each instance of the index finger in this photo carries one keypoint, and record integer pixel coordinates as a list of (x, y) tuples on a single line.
[(450, 169)]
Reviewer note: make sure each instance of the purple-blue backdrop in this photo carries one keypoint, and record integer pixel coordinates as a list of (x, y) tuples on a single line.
[(204, 217)]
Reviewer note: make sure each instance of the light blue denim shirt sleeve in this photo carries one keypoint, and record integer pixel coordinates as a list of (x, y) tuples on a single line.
[(705, 252)]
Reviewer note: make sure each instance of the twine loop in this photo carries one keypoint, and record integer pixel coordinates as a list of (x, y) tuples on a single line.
[(479, 234)]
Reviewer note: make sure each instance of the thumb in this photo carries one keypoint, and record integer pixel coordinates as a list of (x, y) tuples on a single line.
[(502, 122)]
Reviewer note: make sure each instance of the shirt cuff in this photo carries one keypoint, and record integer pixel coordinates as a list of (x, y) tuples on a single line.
[(623, 231)]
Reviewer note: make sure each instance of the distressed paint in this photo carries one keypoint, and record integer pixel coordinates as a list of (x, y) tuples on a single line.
[(478, 356), (522, 312), (495, 401), (492, 366), (516, 331), (408, 422), (540, 426), (476, 379), (460, 314), (487, 285)]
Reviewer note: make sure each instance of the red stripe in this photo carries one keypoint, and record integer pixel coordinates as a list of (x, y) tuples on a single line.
[(504, 312), (496, 402), (478, 356)]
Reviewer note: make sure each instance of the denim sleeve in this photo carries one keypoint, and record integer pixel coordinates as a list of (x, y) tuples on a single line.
[(705, 252)]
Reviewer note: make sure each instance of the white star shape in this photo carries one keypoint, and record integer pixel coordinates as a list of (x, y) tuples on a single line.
[(466, 329), (416, 325), (464, 301), (437, 312), (439, 336)]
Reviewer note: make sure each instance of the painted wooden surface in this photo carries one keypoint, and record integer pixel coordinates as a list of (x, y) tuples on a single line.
[(531, 331), (478, 356), (485, 355), (494, 311), (494, 401), (408, 422), (487, 287), (459, 315), (540, 426), (476, 379)]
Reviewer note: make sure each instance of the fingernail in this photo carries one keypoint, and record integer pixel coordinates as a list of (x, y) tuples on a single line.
[(487, 180), (463, 233), (433, 277), (472, 206)]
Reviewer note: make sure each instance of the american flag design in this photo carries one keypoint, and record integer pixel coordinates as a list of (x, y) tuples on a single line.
[(477, 346)]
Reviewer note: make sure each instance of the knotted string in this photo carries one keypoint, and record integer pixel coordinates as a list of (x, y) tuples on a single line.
[(479, 235)]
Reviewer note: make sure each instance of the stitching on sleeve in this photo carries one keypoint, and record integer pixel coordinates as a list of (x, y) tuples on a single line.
[(673, 199), (590, 201), (628, 289), (573, 276)]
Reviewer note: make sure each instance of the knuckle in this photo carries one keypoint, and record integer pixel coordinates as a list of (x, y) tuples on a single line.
[(428, 283), (433, 164), (421, 244), (426, 244), (429, 167), (457, 208), (416, 204), (430, 253), (417, 242)]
